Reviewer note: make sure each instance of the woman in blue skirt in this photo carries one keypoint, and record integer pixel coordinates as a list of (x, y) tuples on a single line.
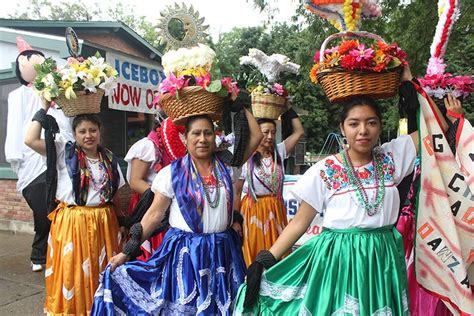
[(199, 266)]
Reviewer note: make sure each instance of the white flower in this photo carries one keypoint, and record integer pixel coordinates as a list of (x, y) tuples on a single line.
[(90, 83), (108, 85), (97, 62), (187, 58), (68, 74)]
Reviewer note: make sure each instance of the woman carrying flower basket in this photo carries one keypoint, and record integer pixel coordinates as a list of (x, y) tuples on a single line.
[(356, 265), (261, 180), (199, 265), (84, 228)]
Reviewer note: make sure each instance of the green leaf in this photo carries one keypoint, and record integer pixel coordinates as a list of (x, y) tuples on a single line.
[(222, 92), (97, 54), (395, 62), (215, 86)]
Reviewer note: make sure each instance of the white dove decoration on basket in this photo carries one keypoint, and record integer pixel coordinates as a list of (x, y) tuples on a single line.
[(269, 66)]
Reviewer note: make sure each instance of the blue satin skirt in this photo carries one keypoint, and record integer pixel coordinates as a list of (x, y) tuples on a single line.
[(189, 274)]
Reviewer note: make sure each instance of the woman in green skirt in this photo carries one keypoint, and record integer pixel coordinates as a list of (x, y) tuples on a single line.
[(356, 265)]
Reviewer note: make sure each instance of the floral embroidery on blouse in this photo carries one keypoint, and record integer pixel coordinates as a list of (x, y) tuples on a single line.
[(335, 177)]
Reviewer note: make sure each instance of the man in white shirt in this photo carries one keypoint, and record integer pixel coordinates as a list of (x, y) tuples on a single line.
[(29, 166)]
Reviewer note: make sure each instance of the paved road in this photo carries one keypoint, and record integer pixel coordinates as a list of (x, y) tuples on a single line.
[(21, 291)]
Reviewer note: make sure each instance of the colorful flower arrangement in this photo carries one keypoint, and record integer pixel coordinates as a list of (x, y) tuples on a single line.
[(78, 74), (194, 67), (267, 69), (345, 15), (437, 83), (352, 55)]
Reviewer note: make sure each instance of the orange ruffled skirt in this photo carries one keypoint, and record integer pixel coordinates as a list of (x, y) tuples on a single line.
[(81, 242), (263, 223)]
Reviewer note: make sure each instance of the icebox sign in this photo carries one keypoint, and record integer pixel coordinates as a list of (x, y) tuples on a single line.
[(137, 81)]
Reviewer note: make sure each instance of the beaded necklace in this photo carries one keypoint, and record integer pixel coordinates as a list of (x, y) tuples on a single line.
[(213, 203), (370, 207)]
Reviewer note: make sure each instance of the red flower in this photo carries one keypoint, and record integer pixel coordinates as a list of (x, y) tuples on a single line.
[(347, 46)]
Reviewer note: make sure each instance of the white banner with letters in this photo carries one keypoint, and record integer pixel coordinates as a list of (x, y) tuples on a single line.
[(137, 83)]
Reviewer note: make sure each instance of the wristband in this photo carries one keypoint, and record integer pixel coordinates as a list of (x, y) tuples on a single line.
[(132, 247), (40, 116), (454, 114)]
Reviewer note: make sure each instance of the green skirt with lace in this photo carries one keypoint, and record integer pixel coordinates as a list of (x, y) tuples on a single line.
[(351, 271)]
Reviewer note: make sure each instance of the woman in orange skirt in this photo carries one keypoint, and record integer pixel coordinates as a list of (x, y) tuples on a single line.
[(261, 180), (84, 231)]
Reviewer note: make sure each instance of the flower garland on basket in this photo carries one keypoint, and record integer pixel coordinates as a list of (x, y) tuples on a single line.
[(193, 85), (269, 98), (370, 70), (438, 83), (79, 86)]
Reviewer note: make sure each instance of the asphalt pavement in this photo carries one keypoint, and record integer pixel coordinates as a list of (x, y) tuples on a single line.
[(21, 291)]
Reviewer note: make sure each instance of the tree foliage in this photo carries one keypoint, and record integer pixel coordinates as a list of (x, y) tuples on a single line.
[(411, 24)]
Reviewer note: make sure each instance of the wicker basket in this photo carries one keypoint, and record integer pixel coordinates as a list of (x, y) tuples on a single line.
[(82, 104), (268, 105), (340, 85), (192, 101)]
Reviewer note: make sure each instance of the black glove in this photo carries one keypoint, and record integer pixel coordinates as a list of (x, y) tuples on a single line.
[(264, 260), (408, 104)]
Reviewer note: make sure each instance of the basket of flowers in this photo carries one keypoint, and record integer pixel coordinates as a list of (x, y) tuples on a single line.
[(193, 85), (269, 98), (353, 69), (79, 86)]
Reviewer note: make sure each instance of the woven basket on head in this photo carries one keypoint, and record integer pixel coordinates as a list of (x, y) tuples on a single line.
[(192, 101), (268, 105), (340, 85), (82, 104)]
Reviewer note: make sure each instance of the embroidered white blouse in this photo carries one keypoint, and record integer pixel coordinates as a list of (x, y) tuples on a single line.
[(325, 186), (213, 219), (260, 189), (65, 192), (144, 150)]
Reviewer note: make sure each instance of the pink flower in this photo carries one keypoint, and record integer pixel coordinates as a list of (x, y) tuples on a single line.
[(316, 56), (230, 85), (279, 89), (436, 66), (203, 81), (171, 84), (361, 53)]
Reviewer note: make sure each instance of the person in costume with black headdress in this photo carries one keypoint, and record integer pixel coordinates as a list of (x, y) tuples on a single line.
[(29, 166), (84, 226), (145, 159)]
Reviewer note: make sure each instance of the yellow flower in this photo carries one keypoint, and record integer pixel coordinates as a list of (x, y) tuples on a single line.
[(380, 57), (332, 60), (313, 73)]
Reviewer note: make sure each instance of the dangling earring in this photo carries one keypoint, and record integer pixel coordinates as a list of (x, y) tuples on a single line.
[(345, 143), (380, 142)]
